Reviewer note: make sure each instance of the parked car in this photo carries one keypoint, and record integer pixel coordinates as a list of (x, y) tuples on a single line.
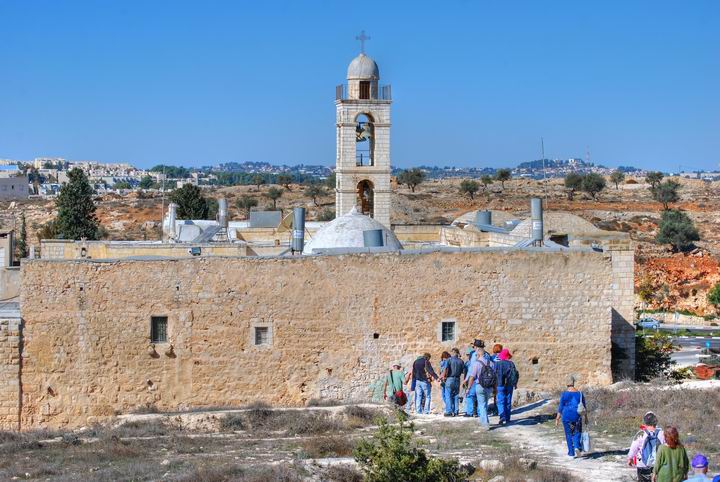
[(648, 324)]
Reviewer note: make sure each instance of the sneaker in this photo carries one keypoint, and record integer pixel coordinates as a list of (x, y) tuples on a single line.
[(467, 415), (447, 414)]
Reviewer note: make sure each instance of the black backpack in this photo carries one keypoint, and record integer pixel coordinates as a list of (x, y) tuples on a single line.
[(487, 377)]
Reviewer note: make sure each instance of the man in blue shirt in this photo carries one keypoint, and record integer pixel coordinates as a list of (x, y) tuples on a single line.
[(451, 375), (469, 394), (482, 394)]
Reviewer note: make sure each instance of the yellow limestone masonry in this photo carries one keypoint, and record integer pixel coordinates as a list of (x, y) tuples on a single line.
[(334, 325)]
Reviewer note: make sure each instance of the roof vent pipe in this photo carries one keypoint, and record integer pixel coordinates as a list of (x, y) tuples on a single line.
[(536, 214), (298, 233), (223, 213), (483, 218), (172, 218), (373, 238)]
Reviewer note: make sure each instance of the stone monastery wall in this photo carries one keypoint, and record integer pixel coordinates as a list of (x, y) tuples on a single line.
[(335, 324)]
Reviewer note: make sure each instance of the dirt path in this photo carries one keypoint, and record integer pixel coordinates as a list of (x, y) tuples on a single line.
[(535, 439)]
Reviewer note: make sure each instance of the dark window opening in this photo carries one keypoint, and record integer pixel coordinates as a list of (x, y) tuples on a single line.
[(376, 335), (262, 335), (366, 198), (535, 361), (448, 331), (561, 239), (158, 329), (364, 89)]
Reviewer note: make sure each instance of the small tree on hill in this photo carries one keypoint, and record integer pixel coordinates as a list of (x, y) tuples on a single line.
[(21, 244), (713, 296), (617, 177), (246, 203), (76, 209), (258, 180), (593, 183), (486, 181), (190, 201), (677, 229), (146, 182), (314, 191), (666, 193), (274, 194), (573, 182), (653, 178), (284, 180), (411, 177), (503, 175), (469, 187)]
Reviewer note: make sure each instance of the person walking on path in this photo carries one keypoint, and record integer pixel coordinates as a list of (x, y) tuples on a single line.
[(507, 380), (571, 414), (643, 450), (452, 374), (393, 389), (482, 379), (700, 469), (422, 375), (496, 349), (470, 400), (671, 461)]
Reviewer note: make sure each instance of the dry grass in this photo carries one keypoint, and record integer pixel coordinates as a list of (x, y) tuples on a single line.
[(331, 446)]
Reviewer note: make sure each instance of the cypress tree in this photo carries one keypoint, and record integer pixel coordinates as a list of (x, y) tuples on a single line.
[(76, 209), (22, 238)]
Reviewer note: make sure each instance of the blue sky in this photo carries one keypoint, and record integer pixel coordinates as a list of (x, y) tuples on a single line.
[(475, 83)]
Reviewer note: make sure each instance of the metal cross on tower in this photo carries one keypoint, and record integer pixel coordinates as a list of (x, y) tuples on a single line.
[(362, 38)]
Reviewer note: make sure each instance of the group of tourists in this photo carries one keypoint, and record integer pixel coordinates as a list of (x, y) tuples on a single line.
[(659, 456), (471, 383)]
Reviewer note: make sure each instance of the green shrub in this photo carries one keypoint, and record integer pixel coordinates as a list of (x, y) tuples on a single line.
[(713, 296), (677, 229), (652, 356), (392, 455)]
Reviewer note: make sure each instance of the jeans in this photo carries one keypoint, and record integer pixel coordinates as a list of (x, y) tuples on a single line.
[(422, 390), (482, 396), (444, 396), (470, 402), (504, 403), (451, 393), (573, 434)]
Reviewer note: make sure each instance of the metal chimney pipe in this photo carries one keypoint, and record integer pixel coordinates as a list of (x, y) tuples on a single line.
[(373, 238), (536, 214), (298, 234), (172, 217), (223, 213), (483, 217)]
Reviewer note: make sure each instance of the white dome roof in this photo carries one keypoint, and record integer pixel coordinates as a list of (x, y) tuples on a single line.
[(347, 232), (363, 68)]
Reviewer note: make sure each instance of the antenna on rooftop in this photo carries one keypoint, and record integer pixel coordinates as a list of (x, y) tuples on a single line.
[(542, 154), (162, 205)]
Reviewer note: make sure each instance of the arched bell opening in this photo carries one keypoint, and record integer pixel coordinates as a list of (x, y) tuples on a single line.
[(364, 140), (366, 197)]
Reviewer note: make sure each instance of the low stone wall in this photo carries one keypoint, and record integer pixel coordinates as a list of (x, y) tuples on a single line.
[(681, 319), (335, 323), (61, 249), (10, 374), (9, 282)]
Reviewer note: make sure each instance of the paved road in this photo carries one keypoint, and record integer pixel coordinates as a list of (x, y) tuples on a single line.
[(697, 341), (670, 326)]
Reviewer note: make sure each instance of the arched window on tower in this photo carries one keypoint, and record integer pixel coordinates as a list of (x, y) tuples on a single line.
[(365, 141), (366, 197)]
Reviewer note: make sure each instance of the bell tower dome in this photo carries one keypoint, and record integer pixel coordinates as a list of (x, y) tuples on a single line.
[(363, 140)]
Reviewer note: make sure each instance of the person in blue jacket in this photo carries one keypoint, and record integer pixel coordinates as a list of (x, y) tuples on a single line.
[(571, 417)]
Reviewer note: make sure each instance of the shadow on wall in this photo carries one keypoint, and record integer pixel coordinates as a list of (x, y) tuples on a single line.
[(623, 348)]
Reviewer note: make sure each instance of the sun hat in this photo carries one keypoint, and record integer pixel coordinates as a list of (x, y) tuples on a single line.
[(478, 343), (395, 364), (504, 354), (570, 381), (699, 461)]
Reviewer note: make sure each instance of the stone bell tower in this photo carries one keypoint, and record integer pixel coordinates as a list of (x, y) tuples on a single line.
[(363, 140)]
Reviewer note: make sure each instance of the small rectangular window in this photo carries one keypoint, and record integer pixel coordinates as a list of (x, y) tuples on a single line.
[(158, 329), (262, 335), (448, 331)]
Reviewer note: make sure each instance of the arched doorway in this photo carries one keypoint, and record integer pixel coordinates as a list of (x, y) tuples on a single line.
[(364, 140), (366, 197)]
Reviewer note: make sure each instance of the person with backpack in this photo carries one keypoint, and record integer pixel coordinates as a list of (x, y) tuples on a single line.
[(507, 380), (393, 389), (571, 410), (422, 375), (451, 375), (671, 461), (643, 450), (482, 379)]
